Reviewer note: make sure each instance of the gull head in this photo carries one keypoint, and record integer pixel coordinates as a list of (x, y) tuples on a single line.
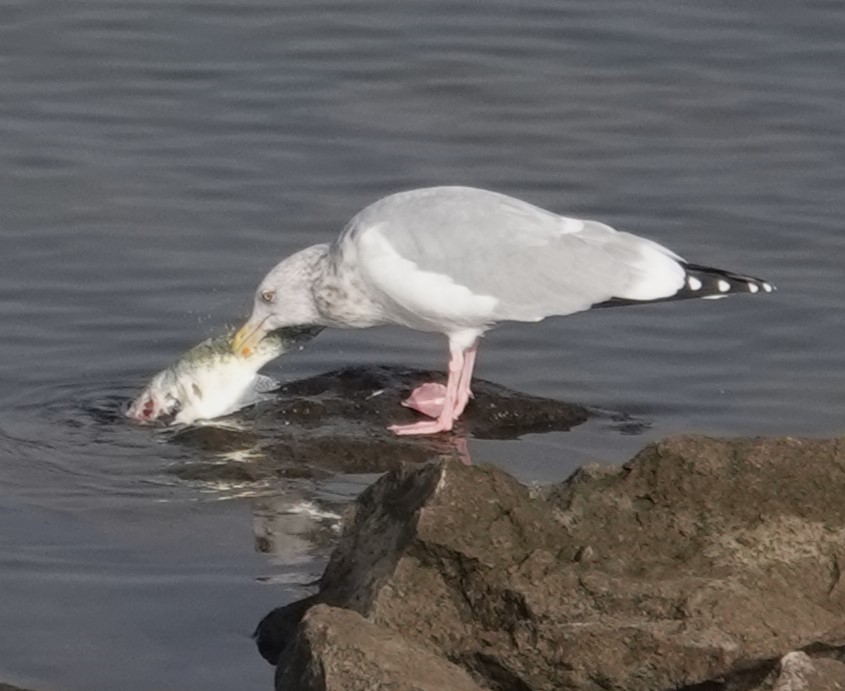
[(284, 298)]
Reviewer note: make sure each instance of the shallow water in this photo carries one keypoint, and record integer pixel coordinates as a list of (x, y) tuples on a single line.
[(158, 156)]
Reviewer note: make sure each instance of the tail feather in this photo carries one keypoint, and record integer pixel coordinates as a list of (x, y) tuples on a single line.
[(703, 282)]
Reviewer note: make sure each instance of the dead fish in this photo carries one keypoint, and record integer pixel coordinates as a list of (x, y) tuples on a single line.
[(210, 381)]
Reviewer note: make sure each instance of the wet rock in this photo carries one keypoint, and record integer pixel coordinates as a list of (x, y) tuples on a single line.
[(697, 565), (278, 628), (373, 396), (337, 422), (339, 650)]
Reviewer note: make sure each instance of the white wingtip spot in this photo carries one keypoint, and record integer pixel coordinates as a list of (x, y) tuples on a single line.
[(693, 283), (753, 288), (767, 287), (724, 286)]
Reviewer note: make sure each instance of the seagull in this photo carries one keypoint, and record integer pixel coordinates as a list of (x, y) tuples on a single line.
[(458, 260)]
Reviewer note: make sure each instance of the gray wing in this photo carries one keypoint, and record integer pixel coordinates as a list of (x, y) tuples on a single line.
[(533, 262)]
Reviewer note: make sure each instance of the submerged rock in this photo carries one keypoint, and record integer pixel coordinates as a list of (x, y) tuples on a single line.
[(337, 422), (697, 565)]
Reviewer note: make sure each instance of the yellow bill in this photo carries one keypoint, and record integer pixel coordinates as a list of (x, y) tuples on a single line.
[(247, 338)]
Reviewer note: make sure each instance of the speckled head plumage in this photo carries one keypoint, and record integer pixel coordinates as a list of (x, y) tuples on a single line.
[(284, 298)]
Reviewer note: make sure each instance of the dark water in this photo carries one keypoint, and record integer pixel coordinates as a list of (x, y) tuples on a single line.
[(158, 156)]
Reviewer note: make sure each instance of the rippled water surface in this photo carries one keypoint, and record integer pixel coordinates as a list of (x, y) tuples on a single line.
[(158, 156)]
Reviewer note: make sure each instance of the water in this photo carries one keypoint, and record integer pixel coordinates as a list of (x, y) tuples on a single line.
[(158, 156)]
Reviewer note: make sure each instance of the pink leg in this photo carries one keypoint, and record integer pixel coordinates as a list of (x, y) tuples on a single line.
[(456, 395), (429, 398), (464, 391)]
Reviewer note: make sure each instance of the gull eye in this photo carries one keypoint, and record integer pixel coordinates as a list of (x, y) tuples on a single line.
[(268, 296)]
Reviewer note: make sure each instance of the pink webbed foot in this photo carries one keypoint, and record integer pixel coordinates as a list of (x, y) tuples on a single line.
[(423, 427), (427, 399)]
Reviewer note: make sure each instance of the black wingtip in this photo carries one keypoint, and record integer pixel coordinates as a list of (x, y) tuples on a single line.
[(704, 282)]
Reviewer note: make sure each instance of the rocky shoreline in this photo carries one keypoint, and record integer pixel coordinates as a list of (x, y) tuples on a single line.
[(702, 564)]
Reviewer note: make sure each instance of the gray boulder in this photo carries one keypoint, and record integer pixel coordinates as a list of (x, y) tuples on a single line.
[(339, 650), (697, 565)]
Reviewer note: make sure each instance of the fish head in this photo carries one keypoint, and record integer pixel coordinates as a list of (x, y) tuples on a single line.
[(161, 400), (198, 387)]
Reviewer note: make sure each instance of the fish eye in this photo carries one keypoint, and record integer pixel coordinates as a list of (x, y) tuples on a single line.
[(268, 296)]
